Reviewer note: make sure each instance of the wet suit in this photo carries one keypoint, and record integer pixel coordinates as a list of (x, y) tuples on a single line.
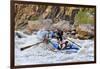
[(60, 35)]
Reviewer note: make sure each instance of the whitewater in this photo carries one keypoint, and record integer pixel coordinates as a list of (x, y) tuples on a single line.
[(41, 54)]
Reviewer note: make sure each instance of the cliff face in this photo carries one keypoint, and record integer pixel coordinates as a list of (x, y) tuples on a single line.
[(33, 17), (26, 12)]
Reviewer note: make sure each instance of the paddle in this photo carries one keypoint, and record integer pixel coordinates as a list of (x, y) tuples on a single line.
[(74, 43), (30, 46)]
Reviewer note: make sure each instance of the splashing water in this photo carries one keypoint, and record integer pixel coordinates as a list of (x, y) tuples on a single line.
[(40, 54)]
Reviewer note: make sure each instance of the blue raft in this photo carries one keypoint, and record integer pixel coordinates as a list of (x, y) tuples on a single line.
[(69, 47), (72, 46)]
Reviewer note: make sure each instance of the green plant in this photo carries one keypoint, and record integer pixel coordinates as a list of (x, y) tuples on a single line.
[(84, 17), (34, 18)]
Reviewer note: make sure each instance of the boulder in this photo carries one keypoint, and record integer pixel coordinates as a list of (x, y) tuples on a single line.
[(85, 31), (63, 25), (38, 24)]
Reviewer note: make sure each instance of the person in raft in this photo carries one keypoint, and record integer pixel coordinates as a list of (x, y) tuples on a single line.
[(57, 39), (61, 43)]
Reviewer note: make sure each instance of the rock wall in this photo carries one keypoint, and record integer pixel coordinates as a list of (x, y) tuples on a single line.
[(32, 17), (26, 12)]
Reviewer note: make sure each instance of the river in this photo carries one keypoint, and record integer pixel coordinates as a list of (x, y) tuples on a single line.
[(40, 54)]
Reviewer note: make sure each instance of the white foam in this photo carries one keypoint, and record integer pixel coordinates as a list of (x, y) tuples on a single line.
[(40, 54)]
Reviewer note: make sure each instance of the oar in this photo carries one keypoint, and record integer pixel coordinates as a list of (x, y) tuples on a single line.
[(29, 46), (74, 43)]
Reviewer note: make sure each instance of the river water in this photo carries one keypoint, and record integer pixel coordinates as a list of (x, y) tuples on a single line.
[(41, 54)]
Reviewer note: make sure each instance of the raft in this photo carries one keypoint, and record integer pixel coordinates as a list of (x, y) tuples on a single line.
[(69, 47)]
